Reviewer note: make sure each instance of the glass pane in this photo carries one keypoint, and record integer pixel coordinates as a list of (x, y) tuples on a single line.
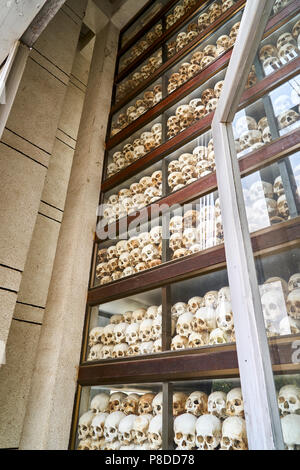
[(119, 417), (271, 194), (178, 11), (288, 389), (202, 312), (209, 415), (125, 328)]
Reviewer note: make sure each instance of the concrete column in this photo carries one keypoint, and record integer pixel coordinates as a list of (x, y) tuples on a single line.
[(49, 410)]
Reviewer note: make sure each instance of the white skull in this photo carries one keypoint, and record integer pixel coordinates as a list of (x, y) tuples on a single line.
[(179, 342), (145, 333), (119, 332), (225, 317), (289, 400), (217, 404), (197, 340), (156, 328), (95, 335), (218, 336), (120, 350), (157, 346), (208, 432), (184, 324), (138, 315), (150, 252), (132, 333), (99, 403), (108, 334), (155, 432), (204, 320), (293, 304), (157, 404), (294, 282), (234, 434), (273, 304), (111, 426), (126, 433), (211, 299), (127, 317), (84, 425), (95, 352), (235, 403), (291, 431), (146, 347), (140, 428), (289, 326), (185, 431), (98, 426), (179, 309), (107, 351), (196, 404), (195, 303), (116, 401)]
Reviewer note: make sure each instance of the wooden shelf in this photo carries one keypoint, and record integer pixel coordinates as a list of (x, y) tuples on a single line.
[(276, 237), (209, 362)]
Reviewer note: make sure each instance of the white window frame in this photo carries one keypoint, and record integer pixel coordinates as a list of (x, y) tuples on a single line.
[(257, 379)]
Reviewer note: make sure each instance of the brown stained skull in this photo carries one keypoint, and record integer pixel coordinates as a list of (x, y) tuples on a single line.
[(145, 404)]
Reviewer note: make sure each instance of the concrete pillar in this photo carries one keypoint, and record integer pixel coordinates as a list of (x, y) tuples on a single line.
[(50, 404)]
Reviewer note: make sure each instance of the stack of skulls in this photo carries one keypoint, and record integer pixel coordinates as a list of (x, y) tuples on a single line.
[(197, 109), (135, 150), (150, 99), (137, 78), (214, 422), (129, 257), (121, 421), (250, 134), (203, 321), (272, 56), (131, 334), (190, 167), (266, 204), (289, 406), (147, 191), (201, 59), (194, 29), (281, 305), (180, 10), (142, 45), (196, 230)]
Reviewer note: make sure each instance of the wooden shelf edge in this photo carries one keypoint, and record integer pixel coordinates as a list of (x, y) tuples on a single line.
[(207, 362)]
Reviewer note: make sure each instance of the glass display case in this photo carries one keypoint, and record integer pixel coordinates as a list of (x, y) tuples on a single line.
[(161, 318)]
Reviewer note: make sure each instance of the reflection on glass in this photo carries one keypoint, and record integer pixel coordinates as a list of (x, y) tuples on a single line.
[(270, 195)]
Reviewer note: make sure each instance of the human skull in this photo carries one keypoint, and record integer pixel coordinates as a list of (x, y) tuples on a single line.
[(294, 282), (107, 351), (130, 404), (179, 309), (120, 350), (138, 315), (293, 304), (155, 432), (218, 337), (291, 431), (84, 425), (195, 303), (145, 403), (234, 434), (225, 316), (179, 401), (97, 426), (107, 336), (185, 431), (100, 403), (204, 320), (179, 342), (116, 401), (111, 426), (95, 352), (211, 299), (217, 404), (119, 333), (126, 434), (208, 432), (235, 403), (197, 340), (196, 404), (95, 335), (140, 428), (273, 305), (288, 118), (289, 400), (145, 332), (184, 324), (249, 139)]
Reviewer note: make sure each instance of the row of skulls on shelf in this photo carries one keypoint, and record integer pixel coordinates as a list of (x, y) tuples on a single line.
[(131, 421), (199, 322), (191, 166), (133, 333), (142, 45), (196, 230), (131, 152), (180, 10), (137, 78), (287, 48), (280, 301), (128, 257), (213, 12), (123, 421), (201, 59), (251, 135), (266, 203), (195, 110), (128, 200), (134, 111)]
